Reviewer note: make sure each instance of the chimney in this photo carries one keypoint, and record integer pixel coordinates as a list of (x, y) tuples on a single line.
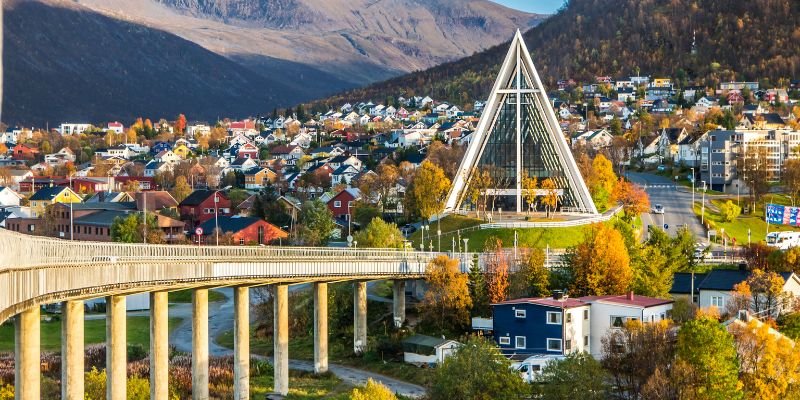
[(630, 295), (557, 295)]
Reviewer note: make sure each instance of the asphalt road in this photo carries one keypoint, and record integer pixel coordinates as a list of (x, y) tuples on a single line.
[(676, 200)]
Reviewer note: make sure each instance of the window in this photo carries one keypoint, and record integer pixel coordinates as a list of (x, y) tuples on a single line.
[(536, 367), (617, 321), (569, 317), (586, 340), (519, 342), (553, 318), (585, 314), (337, 203), (717, 301), (241, 241), (519, 313), (553, 344), (568, 345), (505, 340), (349, 204), (260, 235)]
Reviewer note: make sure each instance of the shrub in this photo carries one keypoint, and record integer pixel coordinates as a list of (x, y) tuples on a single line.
[(729, 211), (372, 391), (7, 392)]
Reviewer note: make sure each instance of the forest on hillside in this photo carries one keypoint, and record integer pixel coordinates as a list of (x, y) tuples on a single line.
[(701, 42)]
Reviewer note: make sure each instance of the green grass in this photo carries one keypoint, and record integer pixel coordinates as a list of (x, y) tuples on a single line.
[(754, 221), (449, 224), (138, 329), (185, 296), (303, 386)]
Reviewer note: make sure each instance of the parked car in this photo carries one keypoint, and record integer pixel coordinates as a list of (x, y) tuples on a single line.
[(408, 229), (658, 209), (662, 168)]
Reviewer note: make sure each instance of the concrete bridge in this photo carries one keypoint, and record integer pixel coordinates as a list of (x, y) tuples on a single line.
[(36, 271)]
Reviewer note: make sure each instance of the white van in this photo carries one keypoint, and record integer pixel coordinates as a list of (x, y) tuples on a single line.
[(783, 240), (531, 367)]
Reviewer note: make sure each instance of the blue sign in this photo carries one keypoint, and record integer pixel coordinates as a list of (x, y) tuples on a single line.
[(783, 215), (666, 226)]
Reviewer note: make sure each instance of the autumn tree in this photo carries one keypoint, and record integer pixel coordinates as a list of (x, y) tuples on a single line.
[(729, 211), (767, 291), (633, 354), (770, 363), (711, 364), (653, 272), (532, 278), (496, 270), (446, 303), (791, 178), (633, 198), (529, 184), (601, 182), (446, 157), (578, 376), (741, 299), (550, 198), (600, 263), (180, 124), (753, 165), (428, 190), (380, 234), (181, 190), (478, 190), (477, 371)]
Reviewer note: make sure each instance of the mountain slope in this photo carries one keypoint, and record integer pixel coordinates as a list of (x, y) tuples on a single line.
[(359, 41), (64, 62), (734, 40)]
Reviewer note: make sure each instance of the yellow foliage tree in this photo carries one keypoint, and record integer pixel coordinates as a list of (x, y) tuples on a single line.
[(769, 362), (428, 190), (372, 391), (496, 271), (529, 186), (550, 199), (601, 264), (601, 182), (446, 303)]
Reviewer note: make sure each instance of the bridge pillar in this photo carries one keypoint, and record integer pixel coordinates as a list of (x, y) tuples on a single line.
[(116, 348), (159, 345), (72, 352), (360, 317), (399, 303), (200, 344), (241, 343), (320, 327), (281, 339), (27, 354)]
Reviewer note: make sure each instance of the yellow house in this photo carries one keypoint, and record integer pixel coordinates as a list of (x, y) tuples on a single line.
[(662, 82), (182, 151), (51, 195), (256, 178)]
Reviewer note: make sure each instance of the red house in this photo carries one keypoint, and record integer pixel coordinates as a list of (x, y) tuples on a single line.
[(24, 152), (342, 204), (245, 230), (247, 150), (200, 207)]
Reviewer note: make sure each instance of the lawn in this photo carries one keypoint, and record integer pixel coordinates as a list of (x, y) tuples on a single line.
[(303, 386), (185, 296), (449, 224), (94, 332), (738, 228)]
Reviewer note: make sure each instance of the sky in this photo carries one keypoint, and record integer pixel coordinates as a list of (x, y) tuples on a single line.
[(534, 6)]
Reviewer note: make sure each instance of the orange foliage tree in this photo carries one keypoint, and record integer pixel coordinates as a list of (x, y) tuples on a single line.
[(601, 264), (446, 303), (633, 198), (496, 271)]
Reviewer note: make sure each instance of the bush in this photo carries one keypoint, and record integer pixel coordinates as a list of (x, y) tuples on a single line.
[(7, 392), (372, 391), (729, 211), (136, 352)]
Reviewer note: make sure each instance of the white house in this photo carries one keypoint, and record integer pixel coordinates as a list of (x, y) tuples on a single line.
[(424, 350), (167, 156), (9, 197), (611, 312), (716, 287), (74, 129), (597, 139), (116, 127)]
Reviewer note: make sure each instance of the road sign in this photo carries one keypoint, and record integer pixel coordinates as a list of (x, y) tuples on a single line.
[(198, 231), (666, 226)]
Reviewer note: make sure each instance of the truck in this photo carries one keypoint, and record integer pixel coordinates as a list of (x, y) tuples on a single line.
[(530, 368), (783, 240)]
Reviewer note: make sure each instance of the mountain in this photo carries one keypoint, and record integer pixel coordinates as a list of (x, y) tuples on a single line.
[(95, 60), (699, 41)]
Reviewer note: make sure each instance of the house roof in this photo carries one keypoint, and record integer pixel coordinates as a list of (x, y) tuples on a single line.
[(48, 193), (425, 341), (199, 196), (548, 302), (101, 218), (682, 282), (156, 200), (628, 300), (723, 279)]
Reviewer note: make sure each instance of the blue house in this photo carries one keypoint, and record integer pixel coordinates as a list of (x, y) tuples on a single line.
[(159, 147), (541, 325)]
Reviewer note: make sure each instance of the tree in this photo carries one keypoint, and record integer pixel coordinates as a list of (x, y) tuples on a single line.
[(550, 199), (477, 292), (446, 157), (712, 366), (633, 354), (380, 234), (770, 364), (477, 371), (601, 182), (131, 229), (653, 273), (600, 263), (428, 190), (372, 391), (181, 190), (729, 211), (767, 292), (791, 178), (317, 223), (180, 124), (753, 165), (532, 278), (496, 270), (578, 376), (364, 212), (446, 303), (529, 186), (633, 198), (741, 299)]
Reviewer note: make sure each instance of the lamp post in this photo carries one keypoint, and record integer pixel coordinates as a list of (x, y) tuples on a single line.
[(216, 211), (703, 212), (349, 218), (71, 224), (692, 187)]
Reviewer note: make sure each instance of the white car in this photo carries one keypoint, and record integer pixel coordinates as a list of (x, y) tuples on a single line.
[(658, 209)]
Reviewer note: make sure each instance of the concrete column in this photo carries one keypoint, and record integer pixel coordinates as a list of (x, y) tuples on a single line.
[(241, 343), (72, 353), (159, 345), (360, 317), (320, 327), (399, 303), (27, 354), (281, 339), (200, 344), (116, 348)]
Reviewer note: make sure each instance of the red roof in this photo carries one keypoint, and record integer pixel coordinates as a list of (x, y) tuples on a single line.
[(548, 302), (628, 300)]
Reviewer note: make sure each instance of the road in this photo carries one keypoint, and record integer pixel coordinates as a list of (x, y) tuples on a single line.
[(676, 200)]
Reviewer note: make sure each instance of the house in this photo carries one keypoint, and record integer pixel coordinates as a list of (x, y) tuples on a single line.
[(668, 142), (424, 350), (109, 197), (181, 150), (344, 175), (557, 325), (245, 230), (341, 204), (51, 195), (560, 325), (24, 152), (154, 168), (116, 127), (243, 164), (158, 200), (258, 177), (776, 96), (598, 139), (288, 153), (9, 197), (60, 158), (689, 151), (167, 156), (247, 150), (339, 161), (74, 129), (200, 206)]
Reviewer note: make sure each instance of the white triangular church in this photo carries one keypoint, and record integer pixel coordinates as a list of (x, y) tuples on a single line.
[(519, 136)]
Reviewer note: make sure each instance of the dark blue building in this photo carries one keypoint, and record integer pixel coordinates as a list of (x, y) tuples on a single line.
[(541, 326), (159, 147)]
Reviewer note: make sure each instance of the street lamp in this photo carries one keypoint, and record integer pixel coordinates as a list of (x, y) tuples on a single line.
[(71, 225), (216, 211), (703, 212), (692, 187)]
